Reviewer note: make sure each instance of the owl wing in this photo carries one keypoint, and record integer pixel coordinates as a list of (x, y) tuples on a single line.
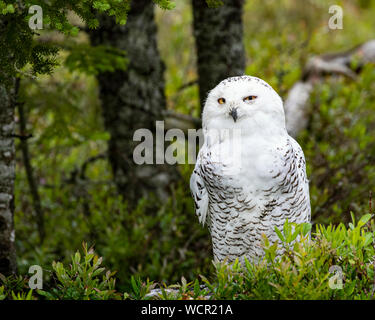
[(301, 171), (199, 192)]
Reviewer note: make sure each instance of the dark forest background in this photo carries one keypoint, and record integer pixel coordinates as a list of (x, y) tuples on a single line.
[(72, 95)]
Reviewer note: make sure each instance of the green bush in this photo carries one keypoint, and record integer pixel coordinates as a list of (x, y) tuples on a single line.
[(167, 243), (304, 271), (84, 279), (14, 287), (340, 149), (164, 245)]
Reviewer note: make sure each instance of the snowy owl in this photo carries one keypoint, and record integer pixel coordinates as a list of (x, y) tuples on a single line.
[(250, 175)]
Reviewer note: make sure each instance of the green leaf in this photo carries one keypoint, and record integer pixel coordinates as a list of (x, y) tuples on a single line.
[(365, 219), (279, 234), (368, 239), (294, 235), (306, 228), (197, 288), (134, 285), (353, 217)]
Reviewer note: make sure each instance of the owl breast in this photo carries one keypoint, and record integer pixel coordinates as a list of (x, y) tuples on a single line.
[(250, 191), (245, 165)]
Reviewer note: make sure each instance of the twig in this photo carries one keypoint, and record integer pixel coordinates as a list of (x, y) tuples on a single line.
[(28, 167), (89, 161), (180, 121), (28, 75), (79, 180), (370, 201), (22, 137), (187, 85), (296, 103)]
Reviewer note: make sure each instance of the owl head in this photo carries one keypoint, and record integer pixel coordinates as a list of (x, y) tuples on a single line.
[(246, 103)]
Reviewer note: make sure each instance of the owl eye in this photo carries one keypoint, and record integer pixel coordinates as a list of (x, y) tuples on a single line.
[(221, 100), (249, 98)]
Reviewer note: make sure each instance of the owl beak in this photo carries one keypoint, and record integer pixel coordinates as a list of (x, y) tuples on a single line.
[(233, 114)]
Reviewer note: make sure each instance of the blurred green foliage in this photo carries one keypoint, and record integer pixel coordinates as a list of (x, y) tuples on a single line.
[(340, 148), (161, 245), (64, 116), (19, 47)]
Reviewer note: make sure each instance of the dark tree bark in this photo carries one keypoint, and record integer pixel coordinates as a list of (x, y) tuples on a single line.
[(7, 177), (218, 35), (133, 99)]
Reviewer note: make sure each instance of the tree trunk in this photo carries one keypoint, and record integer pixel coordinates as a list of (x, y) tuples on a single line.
[(218, 35), (7, 177), (133, 99)]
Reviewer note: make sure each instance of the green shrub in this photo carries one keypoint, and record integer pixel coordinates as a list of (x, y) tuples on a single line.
[(84, 279), (163, 245), (340, 149), (303, 272), (14, 287), (168, 244)]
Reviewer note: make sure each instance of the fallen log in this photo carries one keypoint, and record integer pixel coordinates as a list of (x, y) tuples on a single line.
[(297, 101)]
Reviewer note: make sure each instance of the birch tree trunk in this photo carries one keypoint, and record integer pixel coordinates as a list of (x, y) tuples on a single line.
[(7, 177), (218, 35), (134, 99)]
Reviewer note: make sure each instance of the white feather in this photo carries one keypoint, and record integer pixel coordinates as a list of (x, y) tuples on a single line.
[(254, 187)]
